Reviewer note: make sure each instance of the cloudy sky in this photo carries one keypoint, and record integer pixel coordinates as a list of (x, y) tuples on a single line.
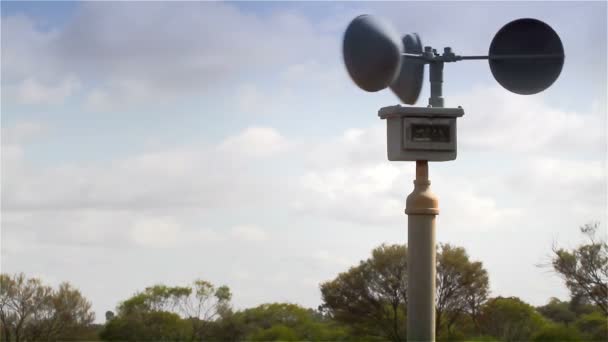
[(148, 142)]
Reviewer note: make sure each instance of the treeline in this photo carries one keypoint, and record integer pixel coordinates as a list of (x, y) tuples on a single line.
[(32, 311), (367, 302)]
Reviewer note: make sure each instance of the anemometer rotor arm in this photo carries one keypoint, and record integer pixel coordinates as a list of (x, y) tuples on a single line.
[(451, 57)]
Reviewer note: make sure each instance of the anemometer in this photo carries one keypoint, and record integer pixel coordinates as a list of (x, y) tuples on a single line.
[(526, 56)]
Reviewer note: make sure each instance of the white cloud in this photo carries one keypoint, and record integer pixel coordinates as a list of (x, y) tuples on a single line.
[(248, 233), (255, 142), (100, 100), (23, 131), (32, 91), (249, 98), (201, 177), (497, 120), (466, 210), (352, 148), (125, 94), (198, 235), (577, 188), (153, 61), (326, 257), (25, 50), (311, 73), (155, 232), (361, 194), (349, 179)]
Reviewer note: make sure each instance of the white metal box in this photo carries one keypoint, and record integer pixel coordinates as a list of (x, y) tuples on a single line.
[(420, 133)]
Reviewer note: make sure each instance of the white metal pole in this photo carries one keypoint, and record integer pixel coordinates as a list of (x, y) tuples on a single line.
[(422, 206)]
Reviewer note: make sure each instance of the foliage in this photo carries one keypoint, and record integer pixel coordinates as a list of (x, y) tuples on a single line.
[(368, 302), (66, 313), (510, 319), (277, 332), (585, 268), (556, 333), (594, 326), (462, 286), (180, 310), (481, 339), (371, 298), (153, 315), (581, 305), (109, 315), (287, 322), (31, 311), (148, 326), (558, 311), (202, 300)]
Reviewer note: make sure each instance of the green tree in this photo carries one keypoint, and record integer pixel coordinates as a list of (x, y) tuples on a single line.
[(585, 268), (285, 321), (109, 315), (581, 305), (66, 315), (196, 305), (510, 319), (21, 299), (277, 332), (32, 311), (148, 326), (371, 297), (462, 287), (556, 333), (558, 311), (594, 326), (202, 300)]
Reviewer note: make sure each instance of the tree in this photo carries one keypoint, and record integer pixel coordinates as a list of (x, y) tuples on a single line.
[(556, 333), (510, 319), (65, 315), (7, 317), (585, 268), (558, 311), (32, 311), (195, 305), (594, 326), (148, 326), (202, 300), (285, 322), (372, 297), (21, 299), (109, 315), (462, 286)]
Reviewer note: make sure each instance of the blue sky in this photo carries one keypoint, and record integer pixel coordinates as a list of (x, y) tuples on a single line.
[(162, 142)]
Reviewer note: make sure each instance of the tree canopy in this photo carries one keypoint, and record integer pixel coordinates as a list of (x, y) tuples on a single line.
[(372, 297), (32, 311), (585, 268), (180, 312), (510, 319)]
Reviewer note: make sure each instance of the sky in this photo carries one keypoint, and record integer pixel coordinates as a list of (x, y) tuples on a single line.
[(162, 142)]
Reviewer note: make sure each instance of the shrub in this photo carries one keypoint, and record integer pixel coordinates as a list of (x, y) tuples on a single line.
[(557, 333)]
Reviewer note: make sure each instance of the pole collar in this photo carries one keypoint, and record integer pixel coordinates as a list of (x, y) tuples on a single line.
[(422, 201)]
